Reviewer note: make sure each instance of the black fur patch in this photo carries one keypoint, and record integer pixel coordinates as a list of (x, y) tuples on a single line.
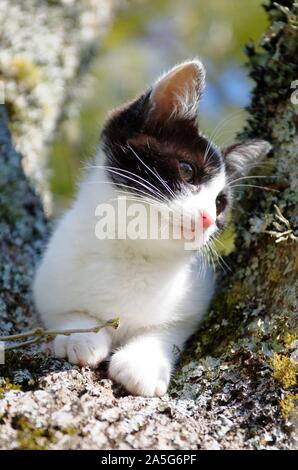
[(139, 147)]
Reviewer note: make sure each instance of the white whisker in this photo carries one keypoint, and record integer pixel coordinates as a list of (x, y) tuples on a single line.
[(163, 182), (250, 177), (254, 186), (124, 173)]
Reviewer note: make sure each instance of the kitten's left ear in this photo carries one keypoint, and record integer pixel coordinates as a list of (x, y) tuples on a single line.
[(176, 94), (241, 158)]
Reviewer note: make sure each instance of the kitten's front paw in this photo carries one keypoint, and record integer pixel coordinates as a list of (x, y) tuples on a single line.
[(84, 349), (147, 377)]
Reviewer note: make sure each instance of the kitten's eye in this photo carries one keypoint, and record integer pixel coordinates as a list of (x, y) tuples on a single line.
[(187, 171), (221, 203)]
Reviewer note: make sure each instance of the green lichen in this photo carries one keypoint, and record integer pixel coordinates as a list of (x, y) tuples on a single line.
[(225, 322), (30, 437), (275, 276), (6, 386), (24, 71), (70, 430), (284, 370), (289, 405), (289, 337)]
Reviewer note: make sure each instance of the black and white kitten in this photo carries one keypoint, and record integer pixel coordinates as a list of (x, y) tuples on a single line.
[(152, 153)]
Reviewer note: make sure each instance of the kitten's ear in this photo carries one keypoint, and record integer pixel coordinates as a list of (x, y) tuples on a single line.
[(176, 93), (241, 158)]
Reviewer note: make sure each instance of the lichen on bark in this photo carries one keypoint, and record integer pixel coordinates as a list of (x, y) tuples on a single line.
[(46, 46), (252, 328)]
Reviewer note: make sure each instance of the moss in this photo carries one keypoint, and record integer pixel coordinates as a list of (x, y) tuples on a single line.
[(53, 2), (275, 276), (284, 370), (6, 386), (25, 71), (32, 438), (70, 430), (289, 405), (289, 337)]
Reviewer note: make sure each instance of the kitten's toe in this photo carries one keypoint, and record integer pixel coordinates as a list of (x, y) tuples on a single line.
[(84, 349), (59, 346), (140, 377), (161, 387)]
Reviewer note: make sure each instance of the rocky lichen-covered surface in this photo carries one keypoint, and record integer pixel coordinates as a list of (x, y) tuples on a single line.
[(236, 386)]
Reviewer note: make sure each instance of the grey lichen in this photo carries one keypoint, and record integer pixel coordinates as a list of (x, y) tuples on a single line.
[(22, 236), (40, 68), (255, 311)]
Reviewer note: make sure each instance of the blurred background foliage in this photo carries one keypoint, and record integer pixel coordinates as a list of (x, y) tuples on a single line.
[(147, 37)]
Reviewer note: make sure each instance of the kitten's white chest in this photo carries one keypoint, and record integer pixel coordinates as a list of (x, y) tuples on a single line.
[(142, 292)]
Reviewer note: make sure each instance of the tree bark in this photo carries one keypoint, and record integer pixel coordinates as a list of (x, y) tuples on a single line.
[(236, 384)]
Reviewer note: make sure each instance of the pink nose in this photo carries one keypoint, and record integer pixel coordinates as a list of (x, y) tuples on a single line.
[(207, 220)]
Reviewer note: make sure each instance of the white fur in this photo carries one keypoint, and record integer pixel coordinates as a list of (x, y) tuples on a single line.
[(158, 290)]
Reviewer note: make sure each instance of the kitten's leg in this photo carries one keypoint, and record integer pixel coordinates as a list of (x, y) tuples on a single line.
[(84, 349), (144, 365)]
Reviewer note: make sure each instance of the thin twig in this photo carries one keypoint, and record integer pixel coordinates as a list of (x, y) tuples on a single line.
[(23, 344), (40, 335)]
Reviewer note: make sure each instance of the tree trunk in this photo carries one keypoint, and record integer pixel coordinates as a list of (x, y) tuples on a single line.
[(235, 387)]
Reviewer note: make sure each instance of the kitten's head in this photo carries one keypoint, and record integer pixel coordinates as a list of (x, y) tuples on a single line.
[(154, 150)]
